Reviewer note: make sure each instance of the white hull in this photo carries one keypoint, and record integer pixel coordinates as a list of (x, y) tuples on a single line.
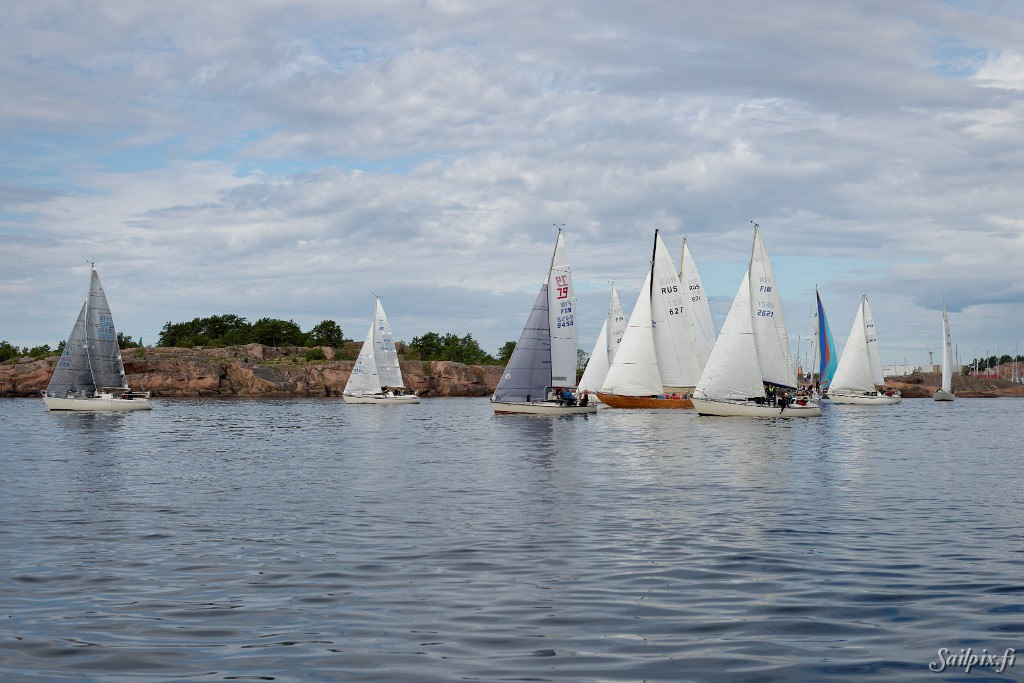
[(747, 409), (97, 404), (379, 399), (541, 408), (941, 395), (875, 399)]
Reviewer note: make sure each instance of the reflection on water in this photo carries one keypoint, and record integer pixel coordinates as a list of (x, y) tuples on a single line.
[(248, 539)]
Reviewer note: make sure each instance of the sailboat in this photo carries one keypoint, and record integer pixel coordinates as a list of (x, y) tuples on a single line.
[(90, 373), (945, 393), (824, 348), (752, 352), (545, 355), (605, 348), (859, 373), (664, 348), (376, 376)]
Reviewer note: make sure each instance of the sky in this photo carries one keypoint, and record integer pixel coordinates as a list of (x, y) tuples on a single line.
[(292, 159)]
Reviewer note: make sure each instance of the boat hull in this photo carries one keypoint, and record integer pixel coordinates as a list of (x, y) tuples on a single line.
[(864, 399), (941, 395), (746, 409), (540, 408), (620, 401), (97, 404), (378, 399)]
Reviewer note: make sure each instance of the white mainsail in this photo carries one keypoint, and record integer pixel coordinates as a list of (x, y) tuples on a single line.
[(693, 286), (673, 324), (871, 339), (854, 372), (616, 325), (385, 355), (634, 371), (364, 378), (769, 321), (605, 348), (597, 365), (562, 318), (733, 371), (947, 353)]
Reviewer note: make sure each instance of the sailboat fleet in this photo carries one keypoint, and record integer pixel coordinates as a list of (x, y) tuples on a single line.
[(668, 355)]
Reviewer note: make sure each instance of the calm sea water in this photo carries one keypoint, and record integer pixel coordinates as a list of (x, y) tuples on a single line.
[(307, 540)]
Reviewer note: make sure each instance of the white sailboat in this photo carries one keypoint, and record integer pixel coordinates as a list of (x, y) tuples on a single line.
[(90, 373), (376, 376), (664, 348), (605, 348), (752, 352), (945, 393), (545, 355), (859, 373)]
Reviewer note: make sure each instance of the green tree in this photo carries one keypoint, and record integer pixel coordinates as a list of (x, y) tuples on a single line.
[(505, 352), (8, 351), (326, 333), (126, 342), (451, 347), (273, 332), (582, 358)]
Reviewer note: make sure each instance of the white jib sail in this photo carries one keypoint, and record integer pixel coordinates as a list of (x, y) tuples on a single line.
[(947, 353), (364, 378), (384, 354), (673, 326), (853, 372), (769, 320), (634, 372), (874, 350), (732, 371), (616, 325), (693, 286), (562, 312), (597, 366)]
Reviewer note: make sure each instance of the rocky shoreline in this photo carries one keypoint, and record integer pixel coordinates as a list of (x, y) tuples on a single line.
[(252, 370), (924, 384)]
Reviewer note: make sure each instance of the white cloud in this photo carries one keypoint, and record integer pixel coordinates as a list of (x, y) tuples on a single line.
[(288, 159)]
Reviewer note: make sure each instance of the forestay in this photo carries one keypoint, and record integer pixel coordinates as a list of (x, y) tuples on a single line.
[(634, 372), (364, 378), (853, 374), (528, 373), (733, 371), (73, 374)]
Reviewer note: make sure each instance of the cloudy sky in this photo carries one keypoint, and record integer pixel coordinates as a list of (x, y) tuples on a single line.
[(289, 159)]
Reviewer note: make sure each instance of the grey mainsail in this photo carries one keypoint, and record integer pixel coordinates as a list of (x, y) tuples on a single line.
[(528, 373), (384, 352), (104, 351), (73, 375)]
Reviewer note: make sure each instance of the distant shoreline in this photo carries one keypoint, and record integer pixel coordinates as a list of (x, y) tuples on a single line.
[(252, 371)]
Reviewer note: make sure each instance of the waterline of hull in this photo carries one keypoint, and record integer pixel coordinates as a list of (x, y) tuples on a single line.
[(97, 404), (540, 408), (746, 409)]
